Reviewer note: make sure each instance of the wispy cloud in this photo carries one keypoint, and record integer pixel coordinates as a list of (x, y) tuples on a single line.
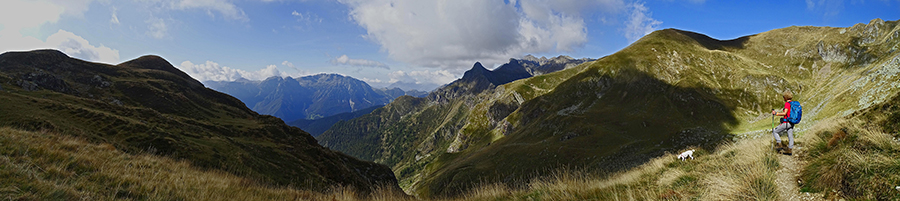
[(345, 60), (639, 22), (157, 28), (827, 7), (114, 19), (223, 7), (307, 17), (291, 65), (74, 7)]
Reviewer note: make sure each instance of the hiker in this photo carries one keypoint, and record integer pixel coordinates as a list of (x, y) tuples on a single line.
[(787, 122)]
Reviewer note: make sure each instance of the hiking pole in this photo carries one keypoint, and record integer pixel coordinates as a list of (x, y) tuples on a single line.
[(773, 128), (773, 121)]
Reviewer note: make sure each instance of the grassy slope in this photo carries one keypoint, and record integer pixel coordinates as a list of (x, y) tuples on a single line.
[(50, 166), (859, 166), (670, 90), (148, 105), (855, 157), (744, 170), (743, 75)]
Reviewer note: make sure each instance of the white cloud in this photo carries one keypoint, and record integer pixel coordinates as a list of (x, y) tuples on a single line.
[(639, 22), (345, 60), (157, 28), (76, 46), (212, 71), (420, 80), (455, 34), (224, 7), (18, 14), (67, 42)]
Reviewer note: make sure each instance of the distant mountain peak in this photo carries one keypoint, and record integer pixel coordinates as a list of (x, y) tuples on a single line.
[(477, 65), (478, 78), (476, 71)]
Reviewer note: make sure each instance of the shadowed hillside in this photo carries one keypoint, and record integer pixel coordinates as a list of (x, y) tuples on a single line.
[(147, 105)]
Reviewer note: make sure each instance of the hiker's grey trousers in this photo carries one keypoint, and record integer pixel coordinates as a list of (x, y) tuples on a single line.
[(790, 131)]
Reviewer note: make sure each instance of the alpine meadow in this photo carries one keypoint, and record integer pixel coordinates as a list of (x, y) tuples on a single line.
[(449, 100)]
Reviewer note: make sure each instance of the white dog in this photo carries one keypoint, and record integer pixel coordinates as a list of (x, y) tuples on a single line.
[(686, 154)]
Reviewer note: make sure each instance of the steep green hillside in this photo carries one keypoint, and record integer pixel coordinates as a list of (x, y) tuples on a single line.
[(670, 90), (147, 105)]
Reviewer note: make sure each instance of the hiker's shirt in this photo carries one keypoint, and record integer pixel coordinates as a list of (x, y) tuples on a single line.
[(787, 112)]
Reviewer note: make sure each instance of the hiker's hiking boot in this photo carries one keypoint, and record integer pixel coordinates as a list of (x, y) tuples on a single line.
[(778, 147), (787, 151)]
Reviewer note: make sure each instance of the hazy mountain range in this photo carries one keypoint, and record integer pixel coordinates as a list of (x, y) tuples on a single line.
[(310, 97)]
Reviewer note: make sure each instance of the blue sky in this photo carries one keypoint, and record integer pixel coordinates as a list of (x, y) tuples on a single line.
[(410, 43)]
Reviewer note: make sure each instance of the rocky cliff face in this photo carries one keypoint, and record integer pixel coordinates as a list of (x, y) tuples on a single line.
[(669, 90), (147, 105)]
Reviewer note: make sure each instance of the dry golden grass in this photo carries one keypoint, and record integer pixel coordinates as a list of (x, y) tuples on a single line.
[(46, 165), (843, 158), (853, 159), (50, 166), (744, 170)]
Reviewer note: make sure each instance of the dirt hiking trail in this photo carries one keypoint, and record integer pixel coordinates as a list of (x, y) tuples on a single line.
[(788, 178)]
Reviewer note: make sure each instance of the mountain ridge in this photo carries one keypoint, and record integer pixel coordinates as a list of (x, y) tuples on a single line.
[(140, 106), (309, 97)]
